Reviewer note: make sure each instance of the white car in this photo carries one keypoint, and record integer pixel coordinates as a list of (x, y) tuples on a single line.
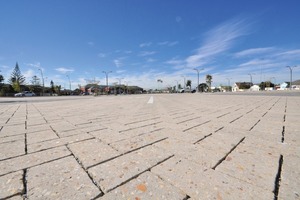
[(25, 94)]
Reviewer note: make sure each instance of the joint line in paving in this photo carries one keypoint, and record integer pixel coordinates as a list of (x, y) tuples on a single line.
[(187, 120), (183, 116), (139, 127), (141, 121), (36, 165), (196, 126), (202, 138), (236, 119), (254, 125), (223, 115), (86, 171), (224, 158), (104, 161), (278, 178), (134, 177), (24, 180), (219, 129)]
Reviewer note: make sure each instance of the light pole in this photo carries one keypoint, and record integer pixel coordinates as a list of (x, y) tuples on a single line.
[(69, 84), (127, 86), (291, 75), (42, 81), (274, 81), (228, 83), (250, 74), (183, 81), (198, 71), (106, 74), (120, 84), (177, 85)]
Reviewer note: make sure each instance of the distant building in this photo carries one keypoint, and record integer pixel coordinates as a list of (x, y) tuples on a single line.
[(241, 86), (296, 85), (254, 88)]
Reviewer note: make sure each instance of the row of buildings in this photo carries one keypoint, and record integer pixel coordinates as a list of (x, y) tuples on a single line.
[(248, 86)]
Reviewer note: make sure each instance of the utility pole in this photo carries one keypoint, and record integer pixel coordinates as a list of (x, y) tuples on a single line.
[(228, 83), (177, 85), (120, 84), (250, 74), (43, 82), (106, 74), (291, 75), (69, 84), (198, 71)]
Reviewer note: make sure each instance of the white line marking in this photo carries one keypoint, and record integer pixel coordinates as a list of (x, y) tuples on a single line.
[(151, 100)]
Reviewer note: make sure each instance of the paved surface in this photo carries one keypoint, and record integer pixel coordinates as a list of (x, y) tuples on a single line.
[(180, 146)]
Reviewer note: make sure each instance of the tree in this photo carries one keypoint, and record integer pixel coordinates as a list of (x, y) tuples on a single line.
[(16, 78), (52, 86), (1, 78), (208, 81), (35, 80), (203, 87), (57, 89), (189, 83)]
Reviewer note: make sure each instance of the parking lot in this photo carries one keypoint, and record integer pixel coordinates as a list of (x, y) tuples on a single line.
[(163, 146)]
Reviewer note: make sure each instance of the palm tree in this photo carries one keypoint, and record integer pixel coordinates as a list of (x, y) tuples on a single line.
[(208, 81), (189, 83)]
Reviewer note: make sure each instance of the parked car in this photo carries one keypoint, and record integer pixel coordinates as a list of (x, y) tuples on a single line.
[(25, 94)]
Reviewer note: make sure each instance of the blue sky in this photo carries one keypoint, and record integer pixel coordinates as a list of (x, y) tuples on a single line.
[(142, 40)]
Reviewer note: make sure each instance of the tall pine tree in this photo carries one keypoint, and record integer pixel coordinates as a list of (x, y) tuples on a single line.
[(16, 78)]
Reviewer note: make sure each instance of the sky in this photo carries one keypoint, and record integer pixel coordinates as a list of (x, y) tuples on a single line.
[(142, 41)]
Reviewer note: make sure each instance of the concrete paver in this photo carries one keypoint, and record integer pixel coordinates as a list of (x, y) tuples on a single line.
[(11, 184), (181, 146), (60, 179)]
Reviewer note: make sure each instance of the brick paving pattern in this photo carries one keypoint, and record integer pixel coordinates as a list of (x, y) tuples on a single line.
[(170, 146)]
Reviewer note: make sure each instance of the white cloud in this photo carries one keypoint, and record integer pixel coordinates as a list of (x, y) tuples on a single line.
[(28, 75), (36, 64), (64, 70), (167, 43), (146, 44), (101, 55), (218, 40), (117, 63), (147, 53), (120, 71), (251, 52), (150, 60)]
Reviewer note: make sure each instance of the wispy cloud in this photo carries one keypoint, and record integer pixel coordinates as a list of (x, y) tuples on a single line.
[(91, 43), (147, 53), (150, 60), (254, 51), (64, 70), (146, 44), (101, 55), (117, 63), (36, 64), (167, 43), (218, 40), (29, 74)]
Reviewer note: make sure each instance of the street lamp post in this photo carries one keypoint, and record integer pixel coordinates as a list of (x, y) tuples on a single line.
[(228, 83), (43, 82), (291, 75), (198, 71), (120, 84), (177, 85), (183, 82), (250, 74), (69, 84), (106, 74)]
